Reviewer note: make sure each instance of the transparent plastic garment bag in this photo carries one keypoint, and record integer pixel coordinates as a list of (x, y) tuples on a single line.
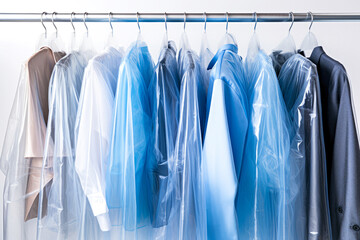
[(185, 185), (308, 203), (22, 153), (62, 197), (261, 198), (205, 57), (126, 191), (93, 130), (164, 104), (225, 134)]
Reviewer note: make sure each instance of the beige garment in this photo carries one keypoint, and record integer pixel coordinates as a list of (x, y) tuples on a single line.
[(39, 69)]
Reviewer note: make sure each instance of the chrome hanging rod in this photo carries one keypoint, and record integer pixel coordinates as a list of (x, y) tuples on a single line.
[(179, 17)]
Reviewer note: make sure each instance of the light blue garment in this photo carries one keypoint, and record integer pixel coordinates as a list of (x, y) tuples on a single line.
[(93, 137), (63, 196), (261, 199), (188, 213), (164, 102), (126, 192), (225, 134)]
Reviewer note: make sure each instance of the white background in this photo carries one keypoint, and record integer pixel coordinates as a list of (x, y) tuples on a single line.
[(18, 40)]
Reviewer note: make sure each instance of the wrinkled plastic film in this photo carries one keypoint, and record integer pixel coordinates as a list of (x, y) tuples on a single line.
[(282, 52), (94, 124), (126, 191), (308, 195), (261, 197), (63, 197), (188, 212), (164, 104), (23, 148)]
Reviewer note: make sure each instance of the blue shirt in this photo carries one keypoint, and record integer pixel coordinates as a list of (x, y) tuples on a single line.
[(225, 134)]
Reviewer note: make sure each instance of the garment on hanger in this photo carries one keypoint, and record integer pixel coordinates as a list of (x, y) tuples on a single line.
[(188, 212), (261, 198), (94, 124), (22, 154), (225, 134), (300, 86), (126, 191), (164, 103), (341, 145), (61, 198), (205, 57)]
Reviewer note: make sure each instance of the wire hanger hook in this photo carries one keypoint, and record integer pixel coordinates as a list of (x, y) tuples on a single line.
[(165, 20), (111, 27), (312, 20), (205, 18), (71, 20), (137, 20), (84, 21), (227, 21), (43, 23), (52, 19), (292, 20), (184, 21), (255, 20)]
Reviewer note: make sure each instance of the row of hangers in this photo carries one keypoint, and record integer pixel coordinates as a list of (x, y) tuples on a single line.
[(286, 45)]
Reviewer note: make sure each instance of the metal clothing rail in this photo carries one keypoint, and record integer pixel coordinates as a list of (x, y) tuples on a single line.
[(179, 17)]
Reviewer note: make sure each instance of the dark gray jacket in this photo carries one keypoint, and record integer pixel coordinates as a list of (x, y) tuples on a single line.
[(341, 146)]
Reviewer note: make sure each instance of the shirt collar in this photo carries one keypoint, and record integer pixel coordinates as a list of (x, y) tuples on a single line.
[(316, 54)]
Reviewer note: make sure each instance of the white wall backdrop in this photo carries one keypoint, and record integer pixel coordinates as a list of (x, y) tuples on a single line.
[(18, 40)]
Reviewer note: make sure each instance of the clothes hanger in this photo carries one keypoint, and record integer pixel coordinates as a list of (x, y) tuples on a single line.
[(165, 38), (287, 45), (254, 44), (86, 43), (72, 46), (184, 41), (228, 38), (310, 42)]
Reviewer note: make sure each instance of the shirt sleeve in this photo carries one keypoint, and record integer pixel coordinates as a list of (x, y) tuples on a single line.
[(92, 149)]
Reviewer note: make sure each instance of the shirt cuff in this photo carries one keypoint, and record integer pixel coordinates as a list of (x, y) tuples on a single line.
[(104, 222)]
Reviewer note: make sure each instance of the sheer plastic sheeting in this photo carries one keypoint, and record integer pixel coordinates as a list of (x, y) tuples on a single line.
[(164, 103), (205, 57), (261, 199), (22, 153), (93, 129), (308, 208), (126, 191), (62, 196), (225, 135), (188, 213)]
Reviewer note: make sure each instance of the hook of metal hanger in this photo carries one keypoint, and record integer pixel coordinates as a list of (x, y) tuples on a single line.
[(111, 27), (255, 20), (292, 20), (205, 18), (165, 20), (43, 23), (227, 21), (137, 20), (52, 19), (312, 20), (71, 20), (84, 17), (184, 21)]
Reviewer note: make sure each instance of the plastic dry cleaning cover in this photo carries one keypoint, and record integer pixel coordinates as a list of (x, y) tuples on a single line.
[(261, 197), (185, 185), (164, 105), (62, 196), (225, 134), (94, 124), (308, 205), (22, 153), (126, 192)]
